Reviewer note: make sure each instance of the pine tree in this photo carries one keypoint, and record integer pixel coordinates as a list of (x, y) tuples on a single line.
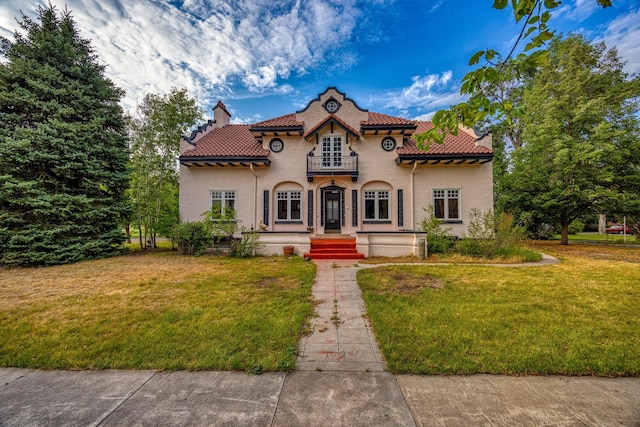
[(63, 147)]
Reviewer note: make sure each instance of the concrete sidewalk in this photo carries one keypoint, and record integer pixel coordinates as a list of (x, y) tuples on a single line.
[(310, 398), (340, 382)]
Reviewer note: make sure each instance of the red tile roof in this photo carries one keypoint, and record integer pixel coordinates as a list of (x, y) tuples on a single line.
[(288, 120), (463, 143), (237, 140), (229, 141), (378, 119)]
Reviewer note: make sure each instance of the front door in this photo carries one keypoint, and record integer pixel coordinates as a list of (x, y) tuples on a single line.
[(332, 209)]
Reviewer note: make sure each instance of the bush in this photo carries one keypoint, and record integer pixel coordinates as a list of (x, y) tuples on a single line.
[(192, 238), (249, 244), (490, 235), (576, 227), (438, 238), (224, 226), (472, 247), (535, 228)]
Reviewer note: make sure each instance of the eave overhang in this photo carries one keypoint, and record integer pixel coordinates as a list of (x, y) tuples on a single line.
[(443, 159), (404, 129), (259, 133), (222, 162)]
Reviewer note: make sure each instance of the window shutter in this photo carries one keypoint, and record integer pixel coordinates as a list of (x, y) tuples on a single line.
[(310, 208), (354, 208), (400, 208), (265, 215), (342, 207)]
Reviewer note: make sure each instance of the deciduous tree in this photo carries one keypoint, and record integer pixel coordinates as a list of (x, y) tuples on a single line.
[(581, 133), (156, 129), (480, 84)]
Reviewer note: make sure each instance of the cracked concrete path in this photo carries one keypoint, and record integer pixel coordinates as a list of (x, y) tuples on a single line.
[(341, 336)]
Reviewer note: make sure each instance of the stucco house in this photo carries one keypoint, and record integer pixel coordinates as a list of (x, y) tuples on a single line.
[(334, 179)]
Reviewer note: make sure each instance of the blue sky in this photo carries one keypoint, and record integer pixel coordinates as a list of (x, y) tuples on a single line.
[(266, 58)]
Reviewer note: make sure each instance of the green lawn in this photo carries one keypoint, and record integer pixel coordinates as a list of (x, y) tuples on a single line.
[(604, 238), (580, 317), (160, 310), (156, 311)]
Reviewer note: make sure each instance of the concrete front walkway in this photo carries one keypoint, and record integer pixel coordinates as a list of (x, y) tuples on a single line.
[(341, 337)]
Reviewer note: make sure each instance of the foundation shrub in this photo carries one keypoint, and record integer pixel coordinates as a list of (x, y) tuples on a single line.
[(438, 238), (192, 238), (491, 235)]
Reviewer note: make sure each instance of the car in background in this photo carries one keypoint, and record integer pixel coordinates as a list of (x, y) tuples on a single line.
[(618, 229)]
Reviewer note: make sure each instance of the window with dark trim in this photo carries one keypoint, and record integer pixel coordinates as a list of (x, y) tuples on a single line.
[(376, 205), (446, 204), (289, 205), (388, 144)]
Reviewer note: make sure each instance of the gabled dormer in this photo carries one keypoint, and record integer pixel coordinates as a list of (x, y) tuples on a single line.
[(332, 154)]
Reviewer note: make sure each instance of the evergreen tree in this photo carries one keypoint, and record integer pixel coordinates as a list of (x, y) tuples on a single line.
[(63, 147)]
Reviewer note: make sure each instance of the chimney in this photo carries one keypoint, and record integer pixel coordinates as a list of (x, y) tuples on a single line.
[(221, 117)]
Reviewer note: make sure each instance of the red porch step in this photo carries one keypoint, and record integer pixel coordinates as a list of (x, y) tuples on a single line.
[(333, 248)]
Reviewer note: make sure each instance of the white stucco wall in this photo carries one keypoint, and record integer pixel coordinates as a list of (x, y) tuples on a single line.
[(377, 171)]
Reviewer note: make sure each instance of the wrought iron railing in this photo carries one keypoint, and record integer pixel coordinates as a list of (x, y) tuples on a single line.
[(332, 164)]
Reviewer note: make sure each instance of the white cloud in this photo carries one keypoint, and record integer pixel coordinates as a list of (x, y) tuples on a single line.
[(436, 5), (578, 10), (425, 117), (623, 33), (208, 46), (426, 93)]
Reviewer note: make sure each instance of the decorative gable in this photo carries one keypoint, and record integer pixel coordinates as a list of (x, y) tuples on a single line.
[(334, 122), (343, 108)]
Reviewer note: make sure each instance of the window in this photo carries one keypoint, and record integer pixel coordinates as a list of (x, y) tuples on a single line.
[(289, 205), (223, 200), (388, 144), (446, 204), (331, 105), (376, 205), (332, 152), (276, 145)]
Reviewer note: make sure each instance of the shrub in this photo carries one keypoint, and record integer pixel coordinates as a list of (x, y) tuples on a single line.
[(472, 247), (535, 227), (248, 245), (225, 226), (192, 238), (576, 227), (490, 235), (438, 238)]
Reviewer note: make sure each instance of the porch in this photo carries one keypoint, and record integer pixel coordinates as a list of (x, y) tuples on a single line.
[(367, 243)]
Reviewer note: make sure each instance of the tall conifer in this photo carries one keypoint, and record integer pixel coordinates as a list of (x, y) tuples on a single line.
[(63, 147)]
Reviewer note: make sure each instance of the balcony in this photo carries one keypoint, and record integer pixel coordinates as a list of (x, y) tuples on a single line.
[(332, 166)]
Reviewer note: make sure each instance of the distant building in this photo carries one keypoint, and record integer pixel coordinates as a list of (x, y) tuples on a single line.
[(334, 168)]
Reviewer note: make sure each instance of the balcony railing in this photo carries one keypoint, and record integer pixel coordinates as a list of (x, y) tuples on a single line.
[(332, 165)]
